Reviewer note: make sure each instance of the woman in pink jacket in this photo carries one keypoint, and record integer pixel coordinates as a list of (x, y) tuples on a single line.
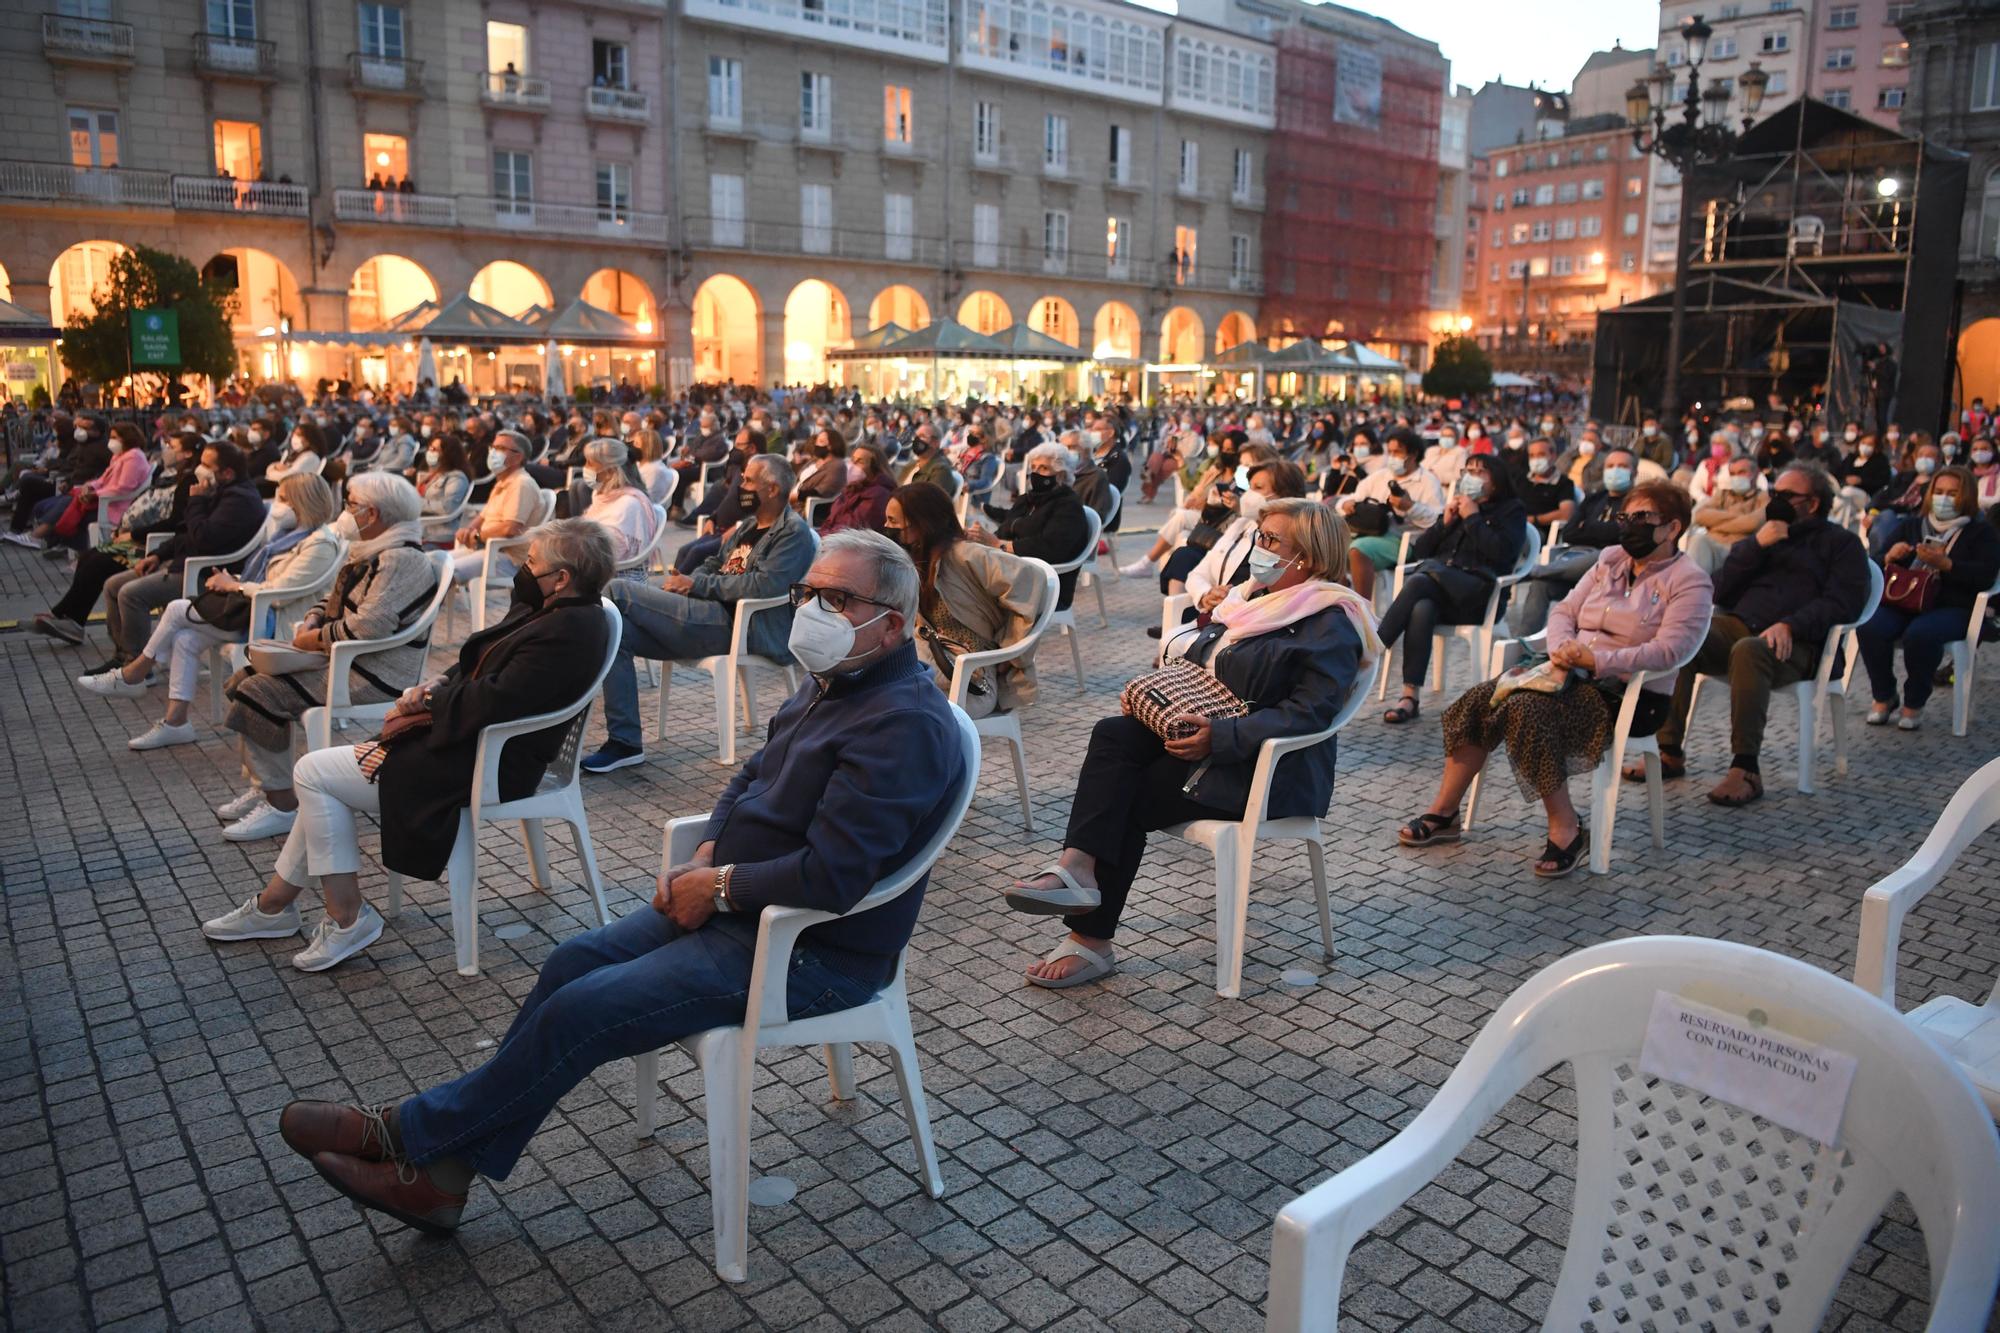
[(124, 477), (1642, 607)]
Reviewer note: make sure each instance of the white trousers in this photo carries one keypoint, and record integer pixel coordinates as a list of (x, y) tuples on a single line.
[(331, 791), (469, 564), (179, 642)]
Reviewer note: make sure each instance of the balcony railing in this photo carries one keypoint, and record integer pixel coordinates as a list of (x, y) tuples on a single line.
[(518, 91), (1131, 182), (609, 221), (417, 210), (58, 182), (220, 194), (386, 74), (1254, 198), (94, 41), (1035, 261), (235, 57), (628, 104), (1210, 277), (790, 238)]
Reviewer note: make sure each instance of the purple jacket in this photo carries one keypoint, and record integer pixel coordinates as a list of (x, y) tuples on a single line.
[(1643, 625)]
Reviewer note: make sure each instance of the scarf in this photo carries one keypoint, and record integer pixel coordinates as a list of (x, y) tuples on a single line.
[(1248, 616), (1945, 532), (258, 564), (396, 534)]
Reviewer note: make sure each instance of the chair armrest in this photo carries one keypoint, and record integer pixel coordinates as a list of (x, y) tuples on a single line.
[(965, 664), (683, 835), (746, 608), (1268, 755), (155, 540), (339, 665), (1973, 809), (1171, 608)]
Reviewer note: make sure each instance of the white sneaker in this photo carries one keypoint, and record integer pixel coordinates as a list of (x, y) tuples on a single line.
[(112, 685), (263, 821), (1132, 569), (162, 735), (247, 923), (231, 811), (332, 943), (29, 540)]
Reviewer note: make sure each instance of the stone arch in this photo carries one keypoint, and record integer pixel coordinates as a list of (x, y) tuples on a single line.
[(1979, 362), (6, 285), (266, 292), (817, 320), (728, 331), (75, 277), (984, 312), (510, 287), (1181, 339), (383, 287), (1057, 318), (901, 304), (1114, 333), (1234, 329), (624, 294)]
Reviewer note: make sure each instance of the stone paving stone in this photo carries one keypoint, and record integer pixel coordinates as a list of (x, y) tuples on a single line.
[(1114, 1156)]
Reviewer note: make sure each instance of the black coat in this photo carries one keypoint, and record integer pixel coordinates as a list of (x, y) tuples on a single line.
[(1813, 579), (1294, 680), (219, 522), (1594, 524), (1048, 525), (1975, 560), (539, 660)]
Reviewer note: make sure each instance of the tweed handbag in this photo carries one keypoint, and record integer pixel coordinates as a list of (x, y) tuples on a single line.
[(1177, 689)]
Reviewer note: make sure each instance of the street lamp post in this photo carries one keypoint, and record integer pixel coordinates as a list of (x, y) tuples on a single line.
[(1700, 134)]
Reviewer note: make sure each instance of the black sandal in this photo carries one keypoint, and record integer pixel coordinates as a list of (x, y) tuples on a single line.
[(1405, 710), (1562, 860), (1428, 829)]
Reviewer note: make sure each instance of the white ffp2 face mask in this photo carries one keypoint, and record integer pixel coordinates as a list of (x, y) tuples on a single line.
[(823, 639)]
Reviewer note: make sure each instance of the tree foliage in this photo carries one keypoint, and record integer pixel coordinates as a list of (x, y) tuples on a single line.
[(98, 346), (1460, 368)]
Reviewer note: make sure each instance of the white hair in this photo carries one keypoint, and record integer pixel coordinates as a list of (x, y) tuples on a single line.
[(893, 578), (1056, 453), (392, 498)]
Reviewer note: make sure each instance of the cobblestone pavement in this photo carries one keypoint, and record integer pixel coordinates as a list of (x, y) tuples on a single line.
[(1113, 1156)]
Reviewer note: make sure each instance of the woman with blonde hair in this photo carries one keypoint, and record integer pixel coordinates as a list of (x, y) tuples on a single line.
[(658, 479), (619, 503), (1289, 643), (299, 548)]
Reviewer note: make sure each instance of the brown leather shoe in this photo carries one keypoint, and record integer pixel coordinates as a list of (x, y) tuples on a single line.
[(403, 1192), (352, 1131)]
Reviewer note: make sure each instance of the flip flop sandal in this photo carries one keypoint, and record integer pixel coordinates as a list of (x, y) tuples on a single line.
[(1068, 900), (1429, 829), (1562, 860), (1096, 966), (1736, 802), (1406, 710)]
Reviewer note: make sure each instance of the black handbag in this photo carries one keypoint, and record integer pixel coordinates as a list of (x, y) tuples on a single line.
[(226, 611), (1368, 518)]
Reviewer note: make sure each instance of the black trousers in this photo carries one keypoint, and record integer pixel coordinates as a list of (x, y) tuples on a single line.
[(33, 488), (1425, 603), (1180, 563), (1129, 787), (93, 570)]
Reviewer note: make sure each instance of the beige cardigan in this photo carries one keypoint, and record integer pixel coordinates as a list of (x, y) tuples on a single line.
[(996, 596)]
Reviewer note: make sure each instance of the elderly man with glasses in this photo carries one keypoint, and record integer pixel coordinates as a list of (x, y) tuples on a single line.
[(856, 777), (691, 615), (512, 505), (1776, 597)]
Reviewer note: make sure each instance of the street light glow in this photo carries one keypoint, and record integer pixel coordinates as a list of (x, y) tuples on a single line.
[(1888, 186)]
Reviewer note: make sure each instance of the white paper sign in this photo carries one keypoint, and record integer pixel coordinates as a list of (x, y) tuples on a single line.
[(1787, 1080)]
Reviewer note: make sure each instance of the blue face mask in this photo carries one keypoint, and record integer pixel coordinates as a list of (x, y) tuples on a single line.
[(1618, 480), (1265, 567), (1471, 485), (1944, 508)]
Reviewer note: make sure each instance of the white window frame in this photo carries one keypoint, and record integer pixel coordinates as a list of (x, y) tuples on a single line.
[(1240, 176), (1055, 240), (1120, 150), (815, 218), (1190, 167), (1985, 92), (513, 172), (1239, 259), (1117, 247), (899, 214), (815, 105), (986, 236), (376, 45), (613, 181), (899, 127), (1055, 144), (91, 120), (725, 208), (985, 131), (725, 92)]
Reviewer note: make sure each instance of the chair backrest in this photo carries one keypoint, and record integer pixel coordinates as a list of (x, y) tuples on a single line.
[(1117, 503), (1257, 808), (816, 506), (548, 509), (563, 768), (639, 560), (1973, 809), (1531, 554), (1834, 637), (1096, 526), (1685, 1197)]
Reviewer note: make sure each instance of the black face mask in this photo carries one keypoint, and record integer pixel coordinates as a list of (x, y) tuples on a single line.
[(920, 446), (528, 589), (1637, 538), (1779, 507), (1040, 482), (746, 500)]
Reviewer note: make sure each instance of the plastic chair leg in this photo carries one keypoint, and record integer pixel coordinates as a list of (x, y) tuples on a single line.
[(910, 1084), (216, 675), (660, 717), (1836, 718), (536, 841), (1656, 799), (1019, 754), (1440, 653), (462, 875), (586, 853), (1097, 586), (1961, 687), (1808, 743), (1471, 814), (725, 713), (726, 1075), (646, 1091), (1317, 855), (1603, 811), (1075, 654), (747, 683), (1232, 911), (840, 1070), (1382, 676), (395, 895)]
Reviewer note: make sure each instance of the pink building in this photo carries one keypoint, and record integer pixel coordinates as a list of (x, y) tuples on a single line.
[(1857, 57)]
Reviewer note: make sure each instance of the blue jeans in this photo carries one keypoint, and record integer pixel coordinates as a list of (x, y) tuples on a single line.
[(688, 559), (621, 990), (1924, 638), (666, 626)]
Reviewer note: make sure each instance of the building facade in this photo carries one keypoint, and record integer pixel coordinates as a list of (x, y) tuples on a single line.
[(1454, 191), (1858, 58)]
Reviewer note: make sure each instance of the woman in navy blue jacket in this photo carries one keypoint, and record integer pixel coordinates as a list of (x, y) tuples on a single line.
[(1462, 556), (1288, 643)]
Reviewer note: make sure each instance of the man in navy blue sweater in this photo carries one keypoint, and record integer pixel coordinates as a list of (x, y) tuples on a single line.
[(856, 776)]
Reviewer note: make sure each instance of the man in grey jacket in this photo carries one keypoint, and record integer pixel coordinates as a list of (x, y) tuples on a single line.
[(691, 616)]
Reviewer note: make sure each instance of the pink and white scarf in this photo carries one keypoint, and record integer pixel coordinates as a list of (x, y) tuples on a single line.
[(1247, 617)]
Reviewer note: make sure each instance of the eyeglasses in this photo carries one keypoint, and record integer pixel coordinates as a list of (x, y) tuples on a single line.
[(1641, 518), (1268, 540), (831, 599), (1793, 495)]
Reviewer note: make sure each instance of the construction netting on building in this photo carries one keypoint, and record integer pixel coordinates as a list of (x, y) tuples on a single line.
[(1352, 189)]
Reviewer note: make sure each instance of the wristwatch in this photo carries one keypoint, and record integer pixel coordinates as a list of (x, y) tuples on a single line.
[(722, 903)]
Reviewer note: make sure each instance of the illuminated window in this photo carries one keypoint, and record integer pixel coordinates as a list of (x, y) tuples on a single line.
[(239, 149), (896, 128), (506, 48), (386, 157), (93, 137)]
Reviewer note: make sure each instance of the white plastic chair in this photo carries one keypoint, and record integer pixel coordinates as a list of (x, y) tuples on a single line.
[(1065, 619), (1553, 540), (1392, 586), (1234, 843), (340, 708), (728, 1055), (1478, 637), (1968, 1033), (102, 526), (560, 796), (1688, 1211), (710, 472), (488, 578), (1964, 655), (1610, 772), (1824, 692), (732, 673), (1110, 540), (1007, 726), (443, 527), (816, 506), (291, 603), (644, 558), (194, 570)]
